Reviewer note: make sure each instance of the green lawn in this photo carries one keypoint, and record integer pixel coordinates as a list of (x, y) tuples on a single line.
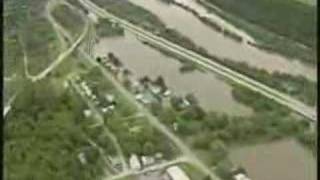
[(69, 19)]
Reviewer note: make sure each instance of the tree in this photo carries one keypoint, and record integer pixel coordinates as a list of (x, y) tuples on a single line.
[(160, 82), (218, 150), (192, 99), (194, 112), (148, 148), (202, 140)]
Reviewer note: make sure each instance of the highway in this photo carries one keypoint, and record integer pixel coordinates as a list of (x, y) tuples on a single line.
[(309, 112)]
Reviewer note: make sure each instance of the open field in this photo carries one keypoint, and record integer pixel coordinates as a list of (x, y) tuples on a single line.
[(68, 19)]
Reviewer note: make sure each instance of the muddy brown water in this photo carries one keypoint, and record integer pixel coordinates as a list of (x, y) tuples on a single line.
[(189, 25), (281, 160), (213, 93)]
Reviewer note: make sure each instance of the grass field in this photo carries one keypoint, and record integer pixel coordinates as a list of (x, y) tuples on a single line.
[(69, 19)]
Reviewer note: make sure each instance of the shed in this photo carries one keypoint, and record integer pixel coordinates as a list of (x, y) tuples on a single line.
[(176, 173)]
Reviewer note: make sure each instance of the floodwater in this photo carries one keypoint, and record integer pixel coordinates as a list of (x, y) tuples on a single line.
[(281, 160), (215, 18), (212, 92), (189, 25)]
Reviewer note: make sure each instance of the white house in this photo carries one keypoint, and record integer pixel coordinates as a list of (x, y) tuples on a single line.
[(240, 176), (134, 162), (147, 160), (82, 158), (87, 113), (93, 17), (176, 173)]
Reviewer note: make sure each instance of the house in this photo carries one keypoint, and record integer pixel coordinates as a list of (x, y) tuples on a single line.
[(176, 173), (86, 89), (136, 87), (159, 156), (155, 89), (87, 113), (146, 98), (82, 158), (134, 162), (240, 176), (66, 84), (147, 160), (167, 93), (110, 98), (115, 162), (93, 17)]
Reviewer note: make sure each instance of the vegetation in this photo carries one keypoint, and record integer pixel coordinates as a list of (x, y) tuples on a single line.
[(106, 29), (45, 130), (133, 133), (133, 13), (69, 19), (14, 19), (258, 12), (37, 37), (210, 133), (41, 44), (296, 86), (270, 31)]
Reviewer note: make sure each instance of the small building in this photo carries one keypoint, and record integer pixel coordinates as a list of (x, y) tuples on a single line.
[(240, 176), (82, 158), (147, 98), (66, 84), (110, 98), (115, 162), (93, 17), (159, 155), (87, 113), (147, 160), (176, 173), (167, 93), (155, 89), (134, 162), (136, 87)]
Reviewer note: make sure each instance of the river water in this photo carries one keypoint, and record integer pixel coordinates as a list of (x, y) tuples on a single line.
[(282, 160), (189, 25), (213, 93)]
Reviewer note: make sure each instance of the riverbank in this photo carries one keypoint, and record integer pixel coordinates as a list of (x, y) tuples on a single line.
[(266, 39), (140, 16)]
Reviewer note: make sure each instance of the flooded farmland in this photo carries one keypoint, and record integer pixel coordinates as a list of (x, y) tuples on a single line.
[(212, 92), (189, 25), (281, 160)]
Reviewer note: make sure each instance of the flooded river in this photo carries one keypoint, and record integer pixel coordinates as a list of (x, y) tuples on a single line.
[(212, 92), (189, 25), (282, 160)]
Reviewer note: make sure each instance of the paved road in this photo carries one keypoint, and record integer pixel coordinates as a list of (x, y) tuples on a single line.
[(64, 54), (291, 103), (156, 167), (154, 121), (100, 120)]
